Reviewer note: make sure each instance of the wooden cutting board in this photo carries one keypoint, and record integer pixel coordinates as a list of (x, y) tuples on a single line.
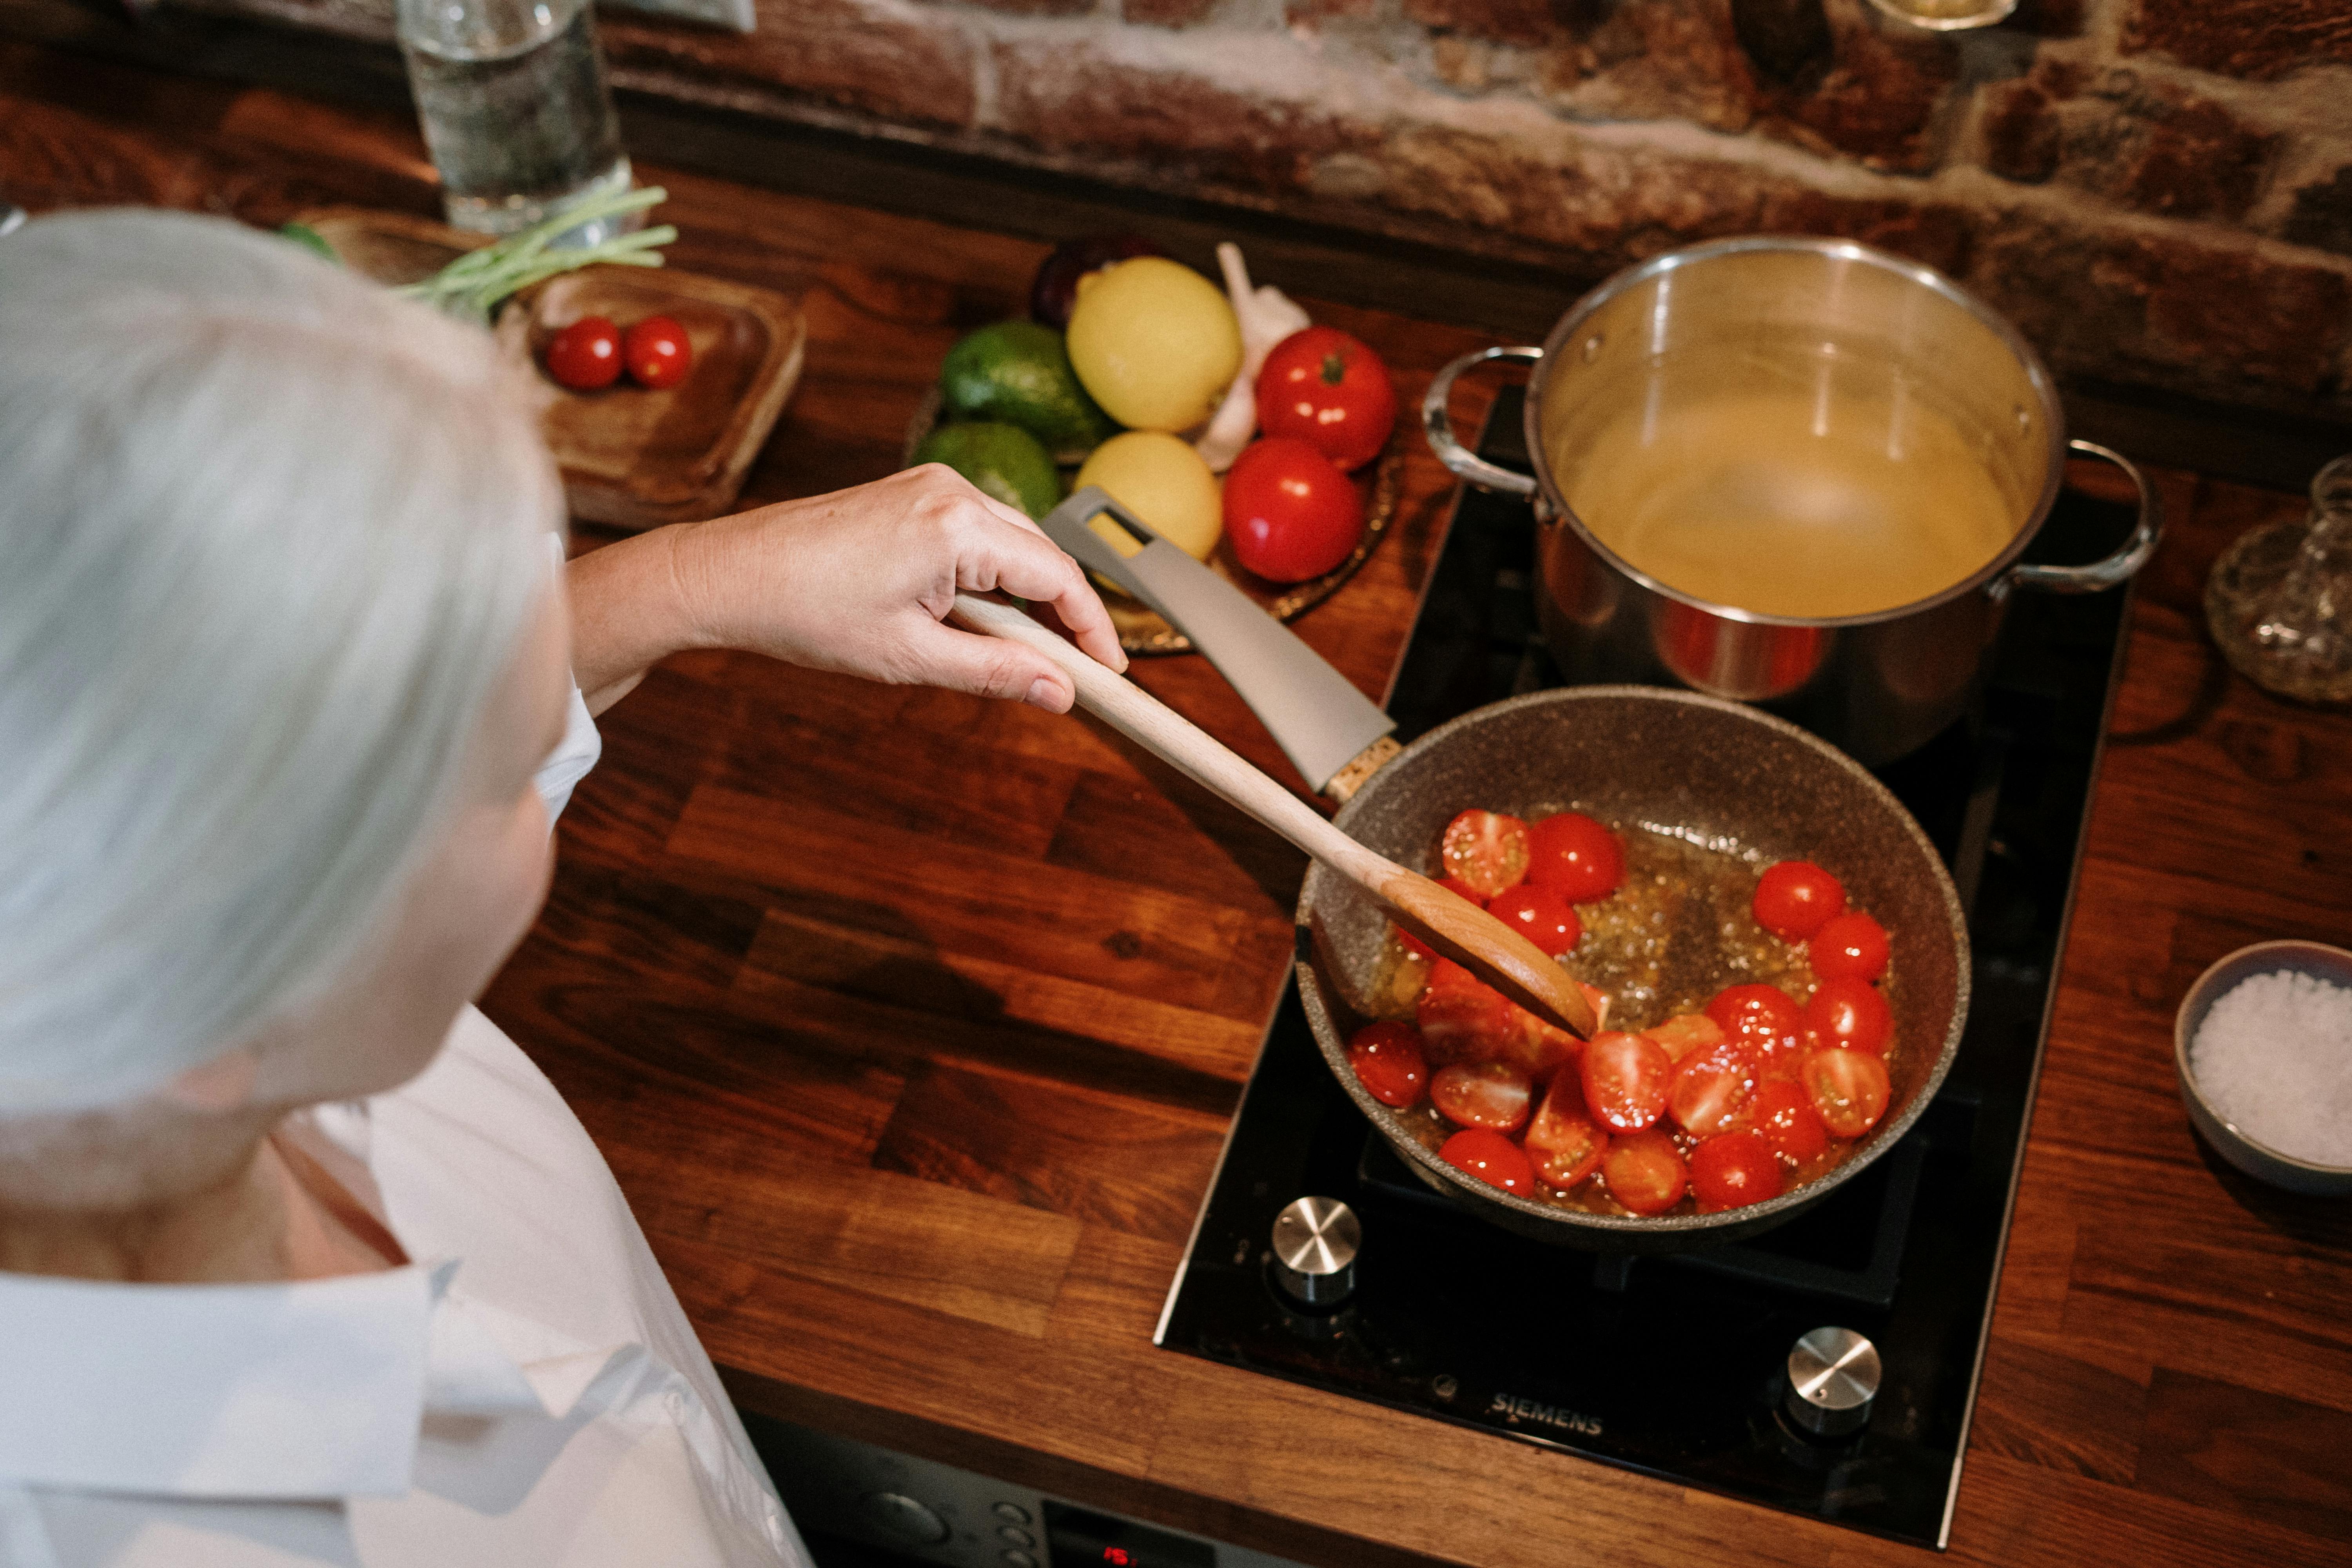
[(631, 456)]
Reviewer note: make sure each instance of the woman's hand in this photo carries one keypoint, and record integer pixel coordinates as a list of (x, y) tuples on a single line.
[(856, 581)]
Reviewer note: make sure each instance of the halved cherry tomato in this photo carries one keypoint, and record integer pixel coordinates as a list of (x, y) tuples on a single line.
[(1598, 1000), (1486, 849), (1492, 1158), (1462, 1020), (1764, 1015), (1562, 1142), (1784, 1114), (1684, 1033), (1624, 1080), (1733, 1170), (1849, 1088), (1849, 1013), (1325, 388), (1389, 1062), (1849, 946), (1794, 897), (1541, 915), (1455, 885), (1482, 1094), (586, 355), (1710, 1087), (657, 352), (1575, 856), (1644, 1172)]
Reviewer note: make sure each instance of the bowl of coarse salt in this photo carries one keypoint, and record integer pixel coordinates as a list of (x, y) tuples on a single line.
[(2264, 1047)]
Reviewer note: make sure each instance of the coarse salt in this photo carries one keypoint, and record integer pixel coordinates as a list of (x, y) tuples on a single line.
[(2273, 1058)]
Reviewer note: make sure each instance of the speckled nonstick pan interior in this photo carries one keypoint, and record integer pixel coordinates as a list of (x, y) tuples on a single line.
[(1705, 768)]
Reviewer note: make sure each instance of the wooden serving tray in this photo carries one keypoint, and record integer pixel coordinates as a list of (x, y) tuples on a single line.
[(631, 456)]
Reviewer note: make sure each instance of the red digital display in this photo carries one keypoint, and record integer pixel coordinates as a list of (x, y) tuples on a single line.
[(1117, 1557)]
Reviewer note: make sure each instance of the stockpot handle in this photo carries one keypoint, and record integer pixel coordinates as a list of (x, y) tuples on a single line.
[(1439, 425), (2125, 563)]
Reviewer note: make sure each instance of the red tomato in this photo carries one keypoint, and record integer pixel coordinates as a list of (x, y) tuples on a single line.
[(1849, 1013), (1849, 947), (1782, 1112), (1763, 1016), (1464, 1021), (1794, 897), (585, 355), (657, 352), (1575, 856), (1683, 1033), (1541, 915), (1455, 885), (1733, 1170), (1644, 1172), (1486, 849), (1388, 1062), (1492, 1158), (1625, 1080), (1288, 512), (1710, 1087), (1562, 1142), (1849, 1088), (1482, 1094), (1325, 388)]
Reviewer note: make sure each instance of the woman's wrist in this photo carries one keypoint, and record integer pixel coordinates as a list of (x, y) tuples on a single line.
[(634, 603)]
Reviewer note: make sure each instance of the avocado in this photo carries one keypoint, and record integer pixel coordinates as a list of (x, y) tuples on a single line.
[(1002, 461), (1018, 373)]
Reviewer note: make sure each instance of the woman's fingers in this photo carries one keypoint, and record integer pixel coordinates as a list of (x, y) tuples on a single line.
[(1033, 567), (945, 656)]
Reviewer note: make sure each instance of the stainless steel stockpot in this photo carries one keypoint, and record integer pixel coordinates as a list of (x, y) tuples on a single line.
[(1739, 314)]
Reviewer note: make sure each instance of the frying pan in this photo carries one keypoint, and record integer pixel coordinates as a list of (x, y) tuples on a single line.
[(1645, 759)]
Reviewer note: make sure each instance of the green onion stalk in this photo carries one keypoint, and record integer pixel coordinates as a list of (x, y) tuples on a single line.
[(471, 286)]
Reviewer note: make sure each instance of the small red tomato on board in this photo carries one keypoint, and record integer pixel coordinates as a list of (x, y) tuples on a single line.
[(657, 352), (1484, 850), (1575, 856), (1644, 1172), (1784, 1114), (1492, 1158), (1733, 1170), (1541, 915), (1764, 1015), (1389, 1063), (1710, 1086), (1624, 1080), (586, 355), (1850, 1012), (1462, 1020), (1482, 1094), (1563, 1143), (1849, 1088), (1684, 1033), (1323, 387), (1849, 947), (1793, 897), (1454, 885), (1289, 514)]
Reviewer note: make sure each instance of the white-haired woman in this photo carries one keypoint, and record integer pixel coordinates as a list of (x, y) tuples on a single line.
[(301, 1260)]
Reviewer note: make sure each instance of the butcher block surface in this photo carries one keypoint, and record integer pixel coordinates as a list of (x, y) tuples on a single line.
[(911, 1024)]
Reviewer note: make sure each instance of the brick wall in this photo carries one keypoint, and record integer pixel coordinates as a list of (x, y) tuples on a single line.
[(2157, 191)]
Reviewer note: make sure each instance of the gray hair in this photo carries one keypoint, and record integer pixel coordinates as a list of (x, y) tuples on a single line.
[(268, 538)]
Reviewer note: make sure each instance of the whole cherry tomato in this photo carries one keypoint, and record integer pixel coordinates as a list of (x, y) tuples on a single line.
[(1288, 512), (1734, 1169), (1850, 1012), (586, 355), (1849, 947), (1644, 1172), (1388, 1062), (1325, 388), (1482, 1094), (657, 352), (1454, 885), (1492, 1158), (1541, 915), (1575, 856), (1793, 897)]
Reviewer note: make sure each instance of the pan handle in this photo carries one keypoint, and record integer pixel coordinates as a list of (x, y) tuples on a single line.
[(2125, 563), (1439, 426)]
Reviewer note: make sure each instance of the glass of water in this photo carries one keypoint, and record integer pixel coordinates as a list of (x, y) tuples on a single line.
[(514, 109)]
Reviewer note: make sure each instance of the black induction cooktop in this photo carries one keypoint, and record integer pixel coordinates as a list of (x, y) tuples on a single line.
[(1675, 1366)]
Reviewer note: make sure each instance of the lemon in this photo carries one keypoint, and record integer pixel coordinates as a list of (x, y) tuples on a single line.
[(1155, 342), (1164, 482)]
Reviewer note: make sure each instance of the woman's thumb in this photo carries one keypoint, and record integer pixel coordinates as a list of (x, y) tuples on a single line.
[(988, 667)]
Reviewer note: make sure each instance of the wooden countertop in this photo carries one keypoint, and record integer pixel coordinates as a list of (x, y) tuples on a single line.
[(911, 1024)]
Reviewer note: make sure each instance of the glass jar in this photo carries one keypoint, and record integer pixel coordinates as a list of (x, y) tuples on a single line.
[(2280, 599)]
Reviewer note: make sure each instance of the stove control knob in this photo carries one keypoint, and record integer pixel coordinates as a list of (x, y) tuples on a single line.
[(901, 1517), (1314, 1244), (1833, 1375)]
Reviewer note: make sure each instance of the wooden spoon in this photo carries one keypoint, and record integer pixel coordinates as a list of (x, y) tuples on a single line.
[(1450, 924)]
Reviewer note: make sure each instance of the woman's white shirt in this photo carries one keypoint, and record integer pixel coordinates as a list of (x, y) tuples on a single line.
[(526, 1392)]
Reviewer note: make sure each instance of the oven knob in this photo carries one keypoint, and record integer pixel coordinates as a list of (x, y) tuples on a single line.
[(1833, 1375), (1315, 1243), (900, 1516)]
